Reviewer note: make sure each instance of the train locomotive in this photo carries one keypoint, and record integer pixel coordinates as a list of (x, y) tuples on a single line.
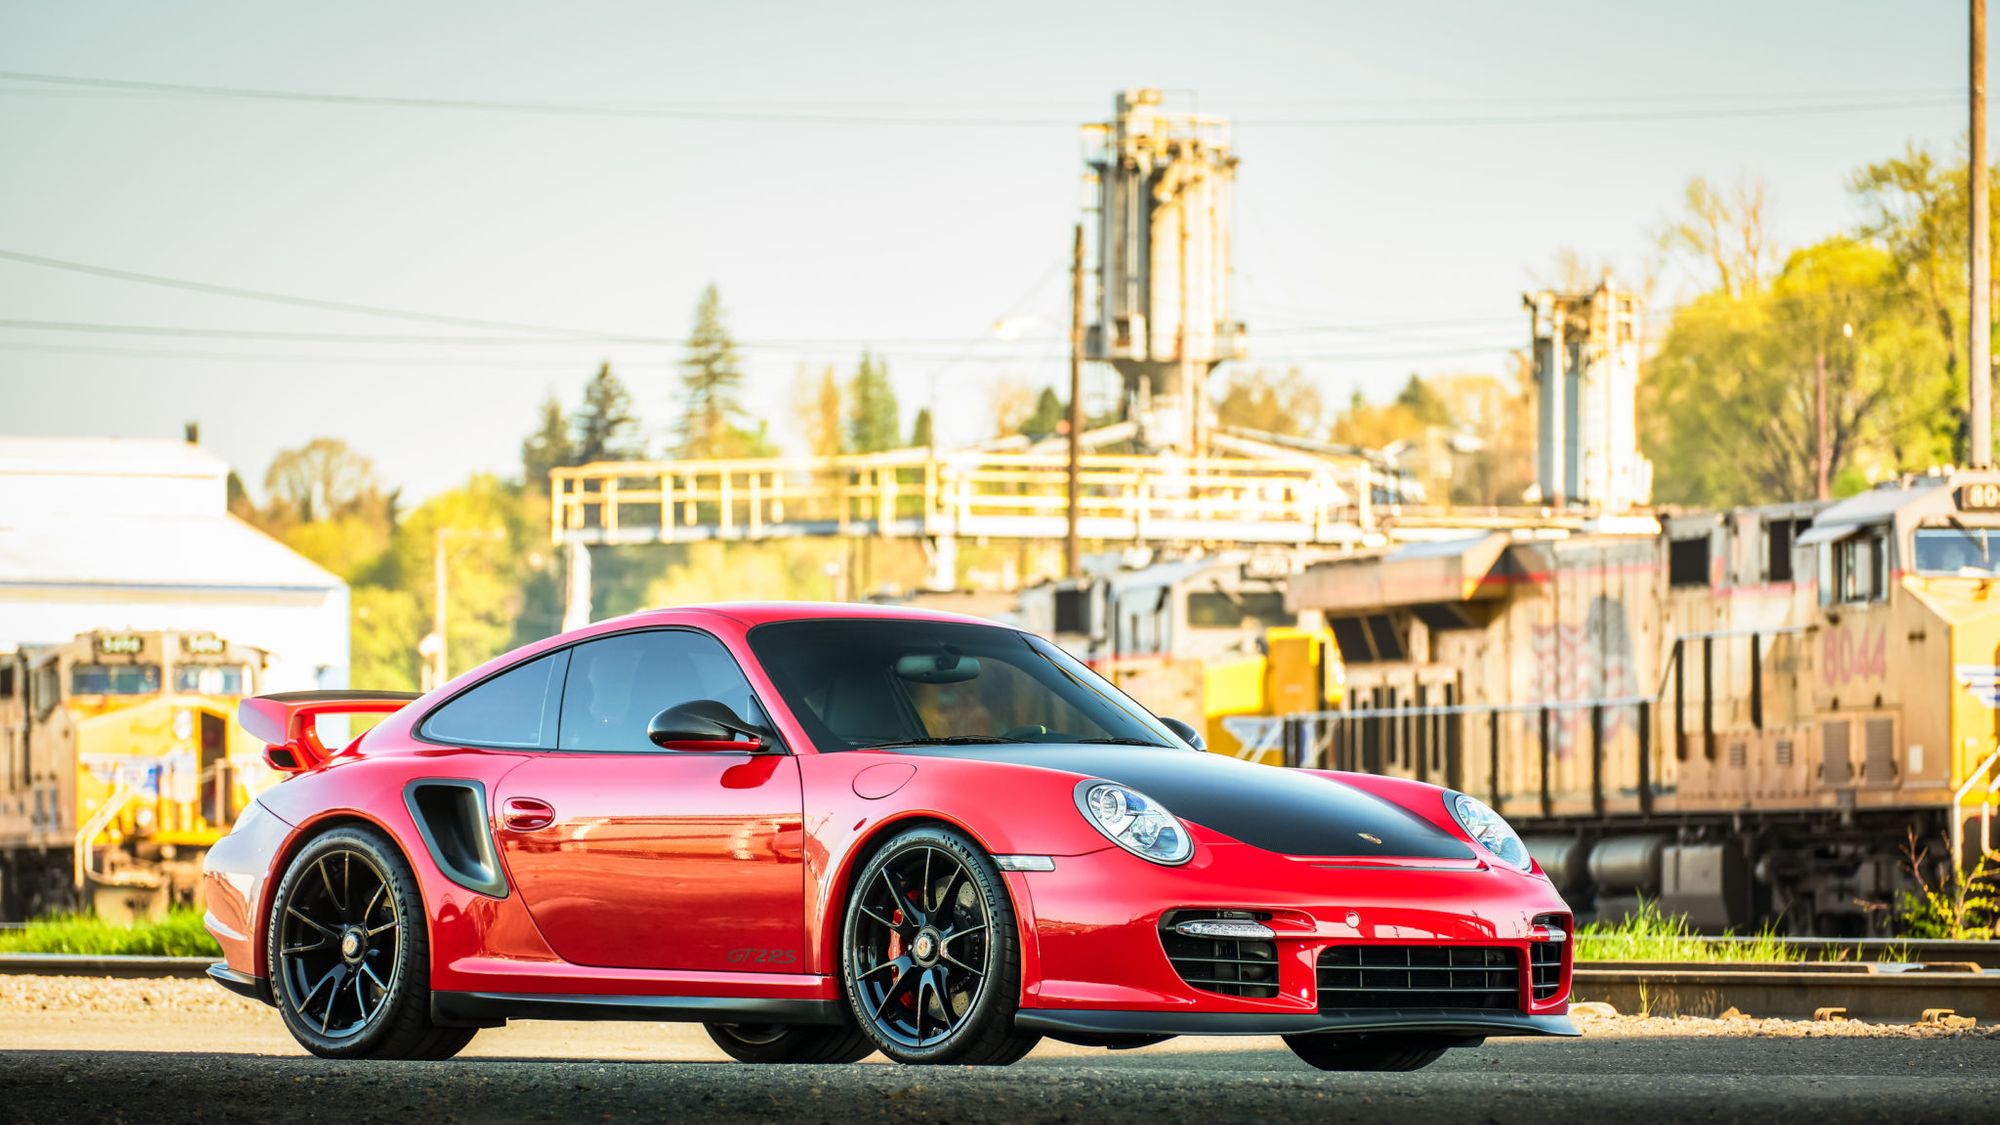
[(120, 763)]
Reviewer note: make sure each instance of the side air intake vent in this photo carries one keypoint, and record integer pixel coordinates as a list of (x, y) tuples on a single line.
[(1232, 966), (451, 817)]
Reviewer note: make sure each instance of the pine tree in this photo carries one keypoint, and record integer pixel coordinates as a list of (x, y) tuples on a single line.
[(605, 426), (547, 448), (1047, 417), (874, 422), (711, 385), (920, 430), (827, 429)]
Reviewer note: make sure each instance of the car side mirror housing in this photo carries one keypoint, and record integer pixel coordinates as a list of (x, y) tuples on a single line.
[(704, 725), (1187, 733)]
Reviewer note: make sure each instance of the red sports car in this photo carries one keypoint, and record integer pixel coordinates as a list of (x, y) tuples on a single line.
[(825, 831)]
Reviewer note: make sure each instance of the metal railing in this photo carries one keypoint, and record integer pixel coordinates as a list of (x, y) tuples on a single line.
[(916, 492)]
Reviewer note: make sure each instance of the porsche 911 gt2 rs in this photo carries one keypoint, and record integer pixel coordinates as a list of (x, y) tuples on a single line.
[(829, 830)]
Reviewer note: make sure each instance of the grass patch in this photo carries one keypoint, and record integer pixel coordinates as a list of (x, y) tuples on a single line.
[(179, 934), (1652, 936)]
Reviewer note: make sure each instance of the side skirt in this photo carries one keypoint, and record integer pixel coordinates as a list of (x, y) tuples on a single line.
[(492, 1009)]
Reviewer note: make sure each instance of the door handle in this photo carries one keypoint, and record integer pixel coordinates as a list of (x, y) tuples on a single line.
[(526, 814)]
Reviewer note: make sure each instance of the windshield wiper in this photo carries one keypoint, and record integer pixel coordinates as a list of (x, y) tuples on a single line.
[(954, 740), (1122, 742)]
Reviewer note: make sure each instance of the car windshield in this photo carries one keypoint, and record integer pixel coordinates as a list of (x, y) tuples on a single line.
[(887, 682), (1971, 551)]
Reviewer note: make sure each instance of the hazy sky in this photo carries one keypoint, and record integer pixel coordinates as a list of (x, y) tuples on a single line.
[(1365, 250)]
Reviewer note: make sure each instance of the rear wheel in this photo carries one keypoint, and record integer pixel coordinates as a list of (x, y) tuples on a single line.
[(350, 953), (1370, 1051), (930, 956), (784, 1043)]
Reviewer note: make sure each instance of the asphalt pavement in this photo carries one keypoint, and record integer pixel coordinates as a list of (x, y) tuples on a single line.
[(80, 1053)]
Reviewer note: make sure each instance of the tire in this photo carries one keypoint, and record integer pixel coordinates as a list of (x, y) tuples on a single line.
[(1374, 1051), (348, 913), (929, 908), (780, 1043)]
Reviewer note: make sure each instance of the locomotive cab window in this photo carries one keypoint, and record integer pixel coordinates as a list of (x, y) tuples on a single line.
[(1855, 570), (1972, 552), (114, 679), (1687, 561)]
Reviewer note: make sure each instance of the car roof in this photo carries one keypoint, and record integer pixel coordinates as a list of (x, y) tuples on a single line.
[(760, 613)]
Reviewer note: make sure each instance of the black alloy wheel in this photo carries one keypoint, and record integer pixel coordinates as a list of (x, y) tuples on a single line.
[(1371, 1051), (931, 961), (349, 953)]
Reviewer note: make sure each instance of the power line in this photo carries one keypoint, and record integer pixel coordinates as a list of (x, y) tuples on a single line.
[(1047, 354), (283, 298), (1848, 104)]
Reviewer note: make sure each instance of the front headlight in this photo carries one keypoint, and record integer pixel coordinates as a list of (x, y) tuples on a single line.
[(1135, 822), (1491, 831)]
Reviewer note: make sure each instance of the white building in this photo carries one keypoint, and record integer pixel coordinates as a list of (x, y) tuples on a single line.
[(113, 533)]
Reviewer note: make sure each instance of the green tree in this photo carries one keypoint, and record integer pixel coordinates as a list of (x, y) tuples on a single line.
[(486, 543), (711, 387), (1723, 231), (322, 478), (387, 625), (820, 412), (549, 447), (1047, 417), (1272, 402), (1424, 403), (605, 428), (1728, 403), (920, 429), (874, 422)]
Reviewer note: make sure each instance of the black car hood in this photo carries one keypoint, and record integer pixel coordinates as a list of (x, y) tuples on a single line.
[(1276, 809)]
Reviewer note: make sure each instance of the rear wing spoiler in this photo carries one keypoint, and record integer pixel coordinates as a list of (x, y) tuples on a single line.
[(288, 721)]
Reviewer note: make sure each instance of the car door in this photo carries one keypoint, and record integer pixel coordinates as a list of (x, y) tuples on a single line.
[(629, 856)]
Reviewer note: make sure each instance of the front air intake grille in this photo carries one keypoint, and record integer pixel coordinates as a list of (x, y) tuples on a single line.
[(1230, 966), (1418, 976)]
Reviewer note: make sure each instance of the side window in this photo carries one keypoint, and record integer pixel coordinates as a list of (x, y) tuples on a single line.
[(617, 684), (516, 708)]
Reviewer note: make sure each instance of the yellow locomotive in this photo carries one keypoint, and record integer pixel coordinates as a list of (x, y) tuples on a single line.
[(120, 763), (1746, 715), (1207, 639)]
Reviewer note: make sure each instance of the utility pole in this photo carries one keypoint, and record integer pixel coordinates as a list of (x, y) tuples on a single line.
[(441, 669), (1980, 350), (1820, 460), (1072, 545)]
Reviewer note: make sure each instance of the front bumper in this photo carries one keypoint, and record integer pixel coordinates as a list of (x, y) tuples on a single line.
[(1441, 1022), (1099, 965)]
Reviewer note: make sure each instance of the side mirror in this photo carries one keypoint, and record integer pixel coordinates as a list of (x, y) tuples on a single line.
[(703, 724), (1187, 733)]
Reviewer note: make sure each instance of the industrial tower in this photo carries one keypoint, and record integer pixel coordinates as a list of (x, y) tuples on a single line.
[(1586, 359), (1163, 182)]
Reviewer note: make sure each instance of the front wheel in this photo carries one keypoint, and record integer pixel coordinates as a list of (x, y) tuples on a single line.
[(1369, 1051), (783, 1043), (930, 953), (350, 955)]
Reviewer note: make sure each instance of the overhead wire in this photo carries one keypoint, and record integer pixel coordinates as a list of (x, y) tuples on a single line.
[(725, 114)]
